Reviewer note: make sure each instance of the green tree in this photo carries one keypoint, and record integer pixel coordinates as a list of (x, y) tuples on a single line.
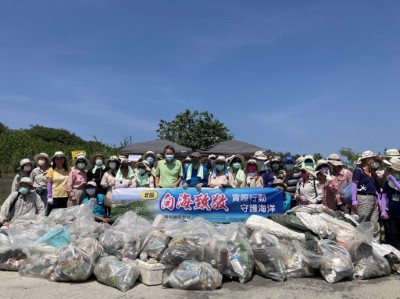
[(54, 135), (3, 128), (194, 129), (350, 156)]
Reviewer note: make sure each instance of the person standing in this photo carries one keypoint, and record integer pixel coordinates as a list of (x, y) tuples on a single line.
[(39, 175), (195, 174), (292, 178), (253, 177), (97, 172), (266, 173), (25, 169), (327, 183), (144, 178), (152, 159), (220, 177), (57, 176), (108, 180), (308, 190), (77, 180), (169, 172), (236, 168)]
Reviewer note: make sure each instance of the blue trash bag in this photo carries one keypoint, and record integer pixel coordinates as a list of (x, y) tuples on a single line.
[(346, 192), (57, 238)]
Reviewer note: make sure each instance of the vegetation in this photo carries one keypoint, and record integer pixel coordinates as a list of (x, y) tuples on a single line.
[(194, 130)]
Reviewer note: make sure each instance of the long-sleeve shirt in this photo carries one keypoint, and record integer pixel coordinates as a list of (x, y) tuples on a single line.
[(39, 178), (329, 191), (17, 179), (108, 182), (23, 205), (343, 178), (76, 179), (310, 192)]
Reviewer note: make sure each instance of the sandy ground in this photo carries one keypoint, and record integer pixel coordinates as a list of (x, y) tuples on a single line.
[(14, 286)]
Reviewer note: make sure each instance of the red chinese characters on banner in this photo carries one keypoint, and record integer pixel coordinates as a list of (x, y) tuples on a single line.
[(201, 202), (219, 202), (185, 202), (168, 202)]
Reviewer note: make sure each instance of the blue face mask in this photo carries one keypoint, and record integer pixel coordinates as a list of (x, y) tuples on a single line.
[(142, 171), (220, 167), (150, 160), (99, 162), (90, 191), (23, 190), (375, 165), (289, 166), (311, 164), (237, 165), (81, 165), (275, 166), (169, 157)]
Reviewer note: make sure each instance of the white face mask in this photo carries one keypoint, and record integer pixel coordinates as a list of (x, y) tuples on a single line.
[(41, 162), (27, 168), (112, 165), (99, 162), (81, 165)]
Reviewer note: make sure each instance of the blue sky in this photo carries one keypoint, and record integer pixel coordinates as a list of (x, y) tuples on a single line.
[(299, 76)]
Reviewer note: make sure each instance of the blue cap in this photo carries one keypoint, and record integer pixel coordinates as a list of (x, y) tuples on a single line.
[(288, 159)]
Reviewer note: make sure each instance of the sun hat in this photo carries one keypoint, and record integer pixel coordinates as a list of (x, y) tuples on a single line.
[(212, 156), (26, 180), (322, 162), (81, 156), (369, 154), (392, 153), (24, 162), (91, 183), (143, 163), (309, 170), (150, 153), (238, 156), (58, 154), (42, 155), (99, 155), (335, 160), (259, 155), (195, 155), (220, 158), (393, 163), (288, 159), (279, 182)]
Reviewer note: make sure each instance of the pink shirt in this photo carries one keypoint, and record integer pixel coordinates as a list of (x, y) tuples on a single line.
[(76, 179)]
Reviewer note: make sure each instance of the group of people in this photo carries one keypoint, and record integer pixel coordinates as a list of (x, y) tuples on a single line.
[(374, 183)]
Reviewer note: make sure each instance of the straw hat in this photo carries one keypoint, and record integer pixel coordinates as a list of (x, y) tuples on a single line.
[(24, 162), (240, 157), (369, 154), (259, 155), (335, 160), (99, 155), (279, 182), (58, 154), (221, 159), (322, 162), (212, 156), (195, 155), (143, 163), (81, 156), (150, 153), (42, 155), (391, 153), (394, 163), (310, 171), (26, 180), (91, 183)]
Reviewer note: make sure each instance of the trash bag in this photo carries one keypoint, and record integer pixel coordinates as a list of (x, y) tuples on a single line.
[(240, 254), (315, 223), (216, 253), (155, 244), (346, 192), (338, 265), (39, 265), (295, 266), (120, 244), (131, 222), (368, 263), (310, 253), (11, 259), (289, 221), (197, 228), (115, 273), (194, 275), (394, 262), (268, 256), (76, 261), (181, 249), (354, 237)]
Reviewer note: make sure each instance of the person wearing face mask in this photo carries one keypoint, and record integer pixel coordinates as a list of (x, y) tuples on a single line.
[(236, 168), (152, 159), (207, 163), (108, 180), (390, 202), (21, 202), (25, 169), (275, 163), (169, 172), (286, 198), (266, 173), (186, 162), (343, 176), (308, 190), (144, 178), (125, 177), (39, 175), (96, 200), (327, 183), (291, 179), (309, 161), (97, 172), (77, 180), (57, 176), (253, 178), (365, 192), (220, 177), (195, 174)]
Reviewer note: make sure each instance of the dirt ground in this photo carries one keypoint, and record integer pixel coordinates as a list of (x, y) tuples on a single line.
[(5, 186)]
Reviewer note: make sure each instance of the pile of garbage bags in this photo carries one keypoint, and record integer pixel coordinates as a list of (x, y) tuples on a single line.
[(307, 241)]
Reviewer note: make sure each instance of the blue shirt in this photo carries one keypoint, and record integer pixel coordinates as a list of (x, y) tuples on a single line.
[(393, 196), (195, 179), (99, 210), (366, 183)]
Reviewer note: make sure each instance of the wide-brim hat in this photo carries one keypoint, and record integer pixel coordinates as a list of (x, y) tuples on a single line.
[(58, 154), (393, 163), (24, 162), (26, 180), (334, 159), (221, 159), (150, 153), (259, 155), (275, 159), (390, 153), (279, 182), (42, 155), (143, 163), (252, 161), (195, 155), (369, 154), (238, 156), (81, 157), (91, 183), (322, 162), (212, 156), (99, 155), (310, 171), (112, 158)]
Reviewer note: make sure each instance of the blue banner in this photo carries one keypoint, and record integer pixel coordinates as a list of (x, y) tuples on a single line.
[(216, 205)]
